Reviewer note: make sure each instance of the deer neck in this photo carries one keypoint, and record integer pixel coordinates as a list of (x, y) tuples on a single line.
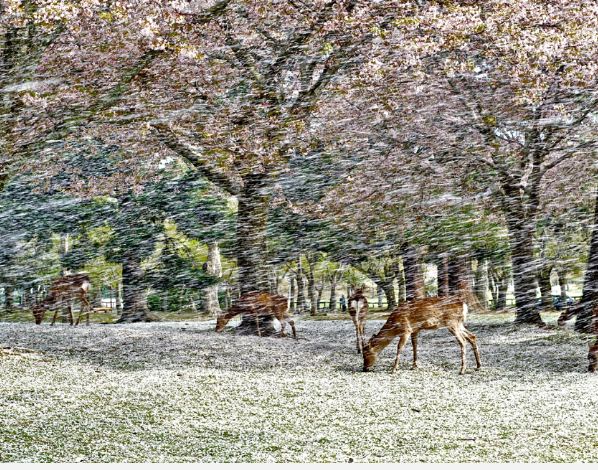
[(380, 340)]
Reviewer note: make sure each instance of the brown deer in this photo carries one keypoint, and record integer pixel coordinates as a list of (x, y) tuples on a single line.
[(260, 304), (62, 293), (422, 314), (358, 309)]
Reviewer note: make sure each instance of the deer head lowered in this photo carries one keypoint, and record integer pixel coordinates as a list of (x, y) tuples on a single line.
[(63, 291), (260, 304), (411, 317)]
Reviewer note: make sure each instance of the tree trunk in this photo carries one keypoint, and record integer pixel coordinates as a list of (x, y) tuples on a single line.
[(311, 290), (402, 285), (332, 304), (213, 267), (563, 286), (545, 287), (481, 282), (252, 219), (414, 283), (300, 289), (589, 296), (388, 288), (319, 290), (524, 269), (443, 276), (9, 298), (134, 293), (293, 293)]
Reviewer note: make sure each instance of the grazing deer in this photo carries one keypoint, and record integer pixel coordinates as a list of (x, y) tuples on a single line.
[(260, 304), (62, 292), (358, 309), (422, 314)]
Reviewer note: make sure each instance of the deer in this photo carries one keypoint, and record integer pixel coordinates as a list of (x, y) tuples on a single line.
[(407, 320), (63, 291), (260, 304), (358, 309)]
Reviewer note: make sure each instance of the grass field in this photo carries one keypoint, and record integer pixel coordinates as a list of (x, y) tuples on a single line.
[(178, 392)]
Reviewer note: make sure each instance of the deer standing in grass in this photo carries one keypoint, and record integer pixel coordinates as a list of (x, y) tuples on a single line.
[(63, 291), (411, 317), (260, 304), (358, 309)]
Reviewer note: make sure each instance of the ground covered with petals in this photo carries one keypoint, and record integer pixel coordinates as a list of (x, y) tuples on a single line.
[(179, 392)]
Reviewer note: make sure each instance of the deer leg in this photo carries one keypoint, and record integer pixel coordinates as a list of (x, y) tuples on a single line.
[(292, 323), (414, 346), (70, 314), (87, 308), (54, 317), (471, 338), (283, 325), (402, 343), (459, 336), (362, 332), (257, 324), (358, 333)]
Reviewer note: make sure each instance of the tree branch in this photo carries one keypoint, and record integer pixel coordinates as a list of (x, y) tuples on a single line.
[(168, 138)]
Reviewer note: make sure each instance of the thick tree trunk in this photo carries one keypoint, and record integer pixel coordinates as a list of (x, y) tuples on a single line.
[(134, 293), (388, 288), (252, 219), (9, 298), (414, 283), (524, 270), (589, 296), (443, 276), (213, 267), (545, 287)]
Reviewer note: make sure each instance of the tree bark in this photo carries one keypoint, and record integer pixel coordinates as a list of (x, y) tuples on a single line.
[(332, 304), (545, 287), (213, 267), (443, 276), (388, 288), (9, 298), (589, 296), (524, 269), (300, 288), (311, 288), (252, 219), (134, 293), (293, 292), (414, 283), (563, 286), (481, 282)]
